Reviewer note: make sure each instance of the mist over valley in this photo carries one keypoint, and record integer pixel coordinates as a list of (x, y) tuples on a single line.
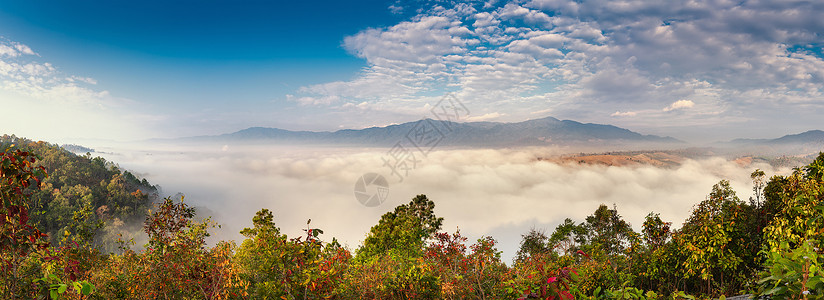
[(501, 192), (496, 149)]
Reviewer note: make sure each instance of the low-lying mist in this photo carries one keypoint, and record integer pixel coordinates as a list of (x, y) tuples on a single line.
[(501, 193)]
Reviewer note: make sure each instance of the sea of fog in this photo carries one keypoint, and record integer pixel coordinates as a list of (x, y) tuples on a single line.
[(501, 193)]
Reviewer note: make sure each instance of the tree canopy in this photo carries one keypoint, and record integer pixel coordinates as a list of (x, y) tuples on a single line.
[(404, 230)]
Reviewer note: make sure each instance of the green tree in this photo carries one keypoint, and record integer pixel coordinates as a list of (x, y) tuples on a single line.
[(404, 230), (388, 264), (532, 243), (793, 237), (656, 263), (713, 242), (608, 231), (656, 232), (815, 170), (280, 268), (568, 237), (758, 183), (794, 200)]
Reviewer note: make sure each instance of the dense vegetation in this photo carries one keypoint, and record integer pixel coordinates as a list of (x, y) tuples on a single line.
[(85, 199), (56, 230)]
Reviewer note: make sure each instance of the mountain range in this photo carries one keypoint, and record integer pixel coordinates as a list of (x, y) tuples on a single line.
[(805, 144), (807, 137), (544, 131)]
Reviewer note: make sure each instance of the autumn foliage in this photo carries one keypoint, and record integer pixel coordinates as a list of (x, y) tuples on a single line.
[(770, 245)]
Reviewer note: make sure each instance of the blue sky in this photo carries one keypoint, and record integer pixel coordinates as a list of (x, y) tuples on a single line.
[(696, 70)]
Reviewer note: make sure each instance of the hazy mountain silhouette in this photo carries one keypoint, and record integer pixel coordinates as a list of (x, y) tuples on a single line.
[(544, 131), (807, 137), (806, 144)]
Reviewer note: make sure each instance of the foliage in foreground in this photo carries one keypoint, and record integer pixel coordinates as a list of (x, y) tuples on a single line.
[(769, 246)]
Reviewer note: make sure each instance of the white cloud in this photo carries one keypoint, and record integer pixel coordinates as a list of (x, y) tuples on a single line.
[(395, 9), (588, 59), (88, 80), (680, 104), (322, 100), (485, 117), (6, 50), (424, 40), (23, 49), (14, 49), (43, 81), (512, 11), (66, 105), (623, 114)]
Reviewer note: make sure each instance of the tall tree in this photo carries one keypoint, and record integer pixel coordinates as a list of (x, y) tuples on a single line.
[(567, 237), (404, 230), (608, 231), (713, 241), (795, 200), (532, 243)]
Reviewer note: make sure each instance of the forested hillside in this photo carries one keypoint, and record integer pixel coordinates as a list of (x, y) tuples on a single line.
[(769, 244), (82, 193)]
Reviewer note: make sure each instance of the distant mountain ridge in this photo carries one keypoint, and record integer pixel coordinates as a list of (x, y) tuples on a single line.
[(806, 144), (544, 131), (807, 137)]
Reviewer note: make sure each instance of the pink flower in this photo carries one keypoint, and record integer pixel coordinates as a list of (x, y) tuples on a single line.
[(552, 279)]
